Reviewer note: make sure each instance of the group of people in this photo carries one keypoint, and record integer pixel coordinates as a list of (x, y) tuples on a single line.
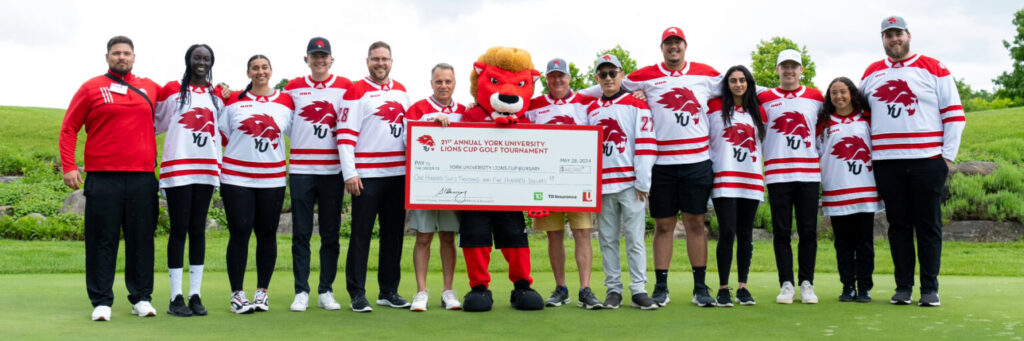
[(686, 134)]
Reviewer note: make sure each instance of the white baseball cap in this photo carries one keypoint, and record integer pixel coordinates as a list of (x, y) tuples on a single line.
[(789, 54)]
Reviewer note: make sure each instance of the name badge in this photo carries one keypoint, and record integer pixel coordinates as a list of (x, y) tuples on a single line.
[(118, 88)]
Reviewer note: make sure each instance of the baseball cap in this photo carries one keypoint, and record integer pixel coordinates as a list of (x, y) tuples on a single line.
[(557, 65), (789, 54), (318, 44), (894, 22), (608, 59), (673, 32)]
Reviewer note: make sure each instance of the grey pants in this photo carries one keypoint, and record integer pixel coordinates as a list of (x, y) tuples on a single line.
[(622, 213)]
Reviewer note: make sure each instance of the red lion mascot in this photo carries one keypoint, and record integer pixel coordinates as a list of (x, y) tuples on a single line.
[(502, 83)]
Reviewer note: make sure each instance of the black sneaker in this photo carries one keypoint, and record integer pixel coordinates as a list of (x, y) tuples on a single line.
[(613, 300), (588, 301), (178, 308), (558, 297), (743, 295), (360, 304), (863, 296), (900, 298), (478, 299), (644, 302), (660, 295), (525, 298), (929, 300), (392, 300), (195, 304), (724, 299), (848, 295), (701, 297)]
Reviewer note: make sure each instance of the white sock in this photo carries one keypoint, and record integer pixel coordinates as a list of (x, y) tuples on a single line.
[(195, 279), (175, 275)]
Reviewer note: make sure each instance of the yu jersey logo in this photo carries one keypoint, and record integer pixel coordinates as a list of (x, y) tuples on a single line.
[(264, 131), (393, 114), (743, 139), (898, 97), (793, 125), (562, 119), (323, 117), (684, 105), (427, 142), (614, 136), (199, 121), (853, 149)]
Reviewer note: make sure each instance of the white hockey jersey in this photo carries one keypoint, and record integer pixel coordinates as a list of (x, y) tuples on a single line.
[(427, 109), (915, 106), (789, 146), (847, 179), (629, 146), (192, 143), (314, 141), (254, 129), (569, 110), (735, 154), (371, 130)]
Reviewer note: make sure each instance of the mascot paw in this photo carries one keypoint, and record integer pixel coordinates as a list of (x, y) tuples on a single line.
[(479, 299), (537, 213), (525, 298), (503, 119)]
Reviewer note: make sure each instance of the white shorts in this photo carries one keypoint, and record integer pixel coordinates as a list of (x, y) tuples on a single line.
[(430, 221)]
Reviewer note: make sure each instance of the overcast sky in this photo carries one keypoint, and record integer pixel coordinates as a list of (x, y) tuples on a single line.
[(49, 48)]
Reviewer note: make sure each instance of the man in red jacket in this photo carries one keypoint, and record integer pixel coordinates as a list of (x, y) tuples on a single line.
[(120, 155)]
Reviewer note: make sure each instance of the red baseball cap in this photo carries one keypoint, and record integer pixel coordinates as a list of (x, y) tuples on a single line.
[(673, 32)]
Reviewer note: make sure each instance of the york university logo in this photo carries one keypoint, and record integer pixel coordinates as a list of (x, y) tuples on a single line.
[(684, 105), (793, 125), (322, 116), (393, 114), (264, 131), (744, 141), (855, 152), (200, 122), (614, 137), (898, 98), (427, 142)]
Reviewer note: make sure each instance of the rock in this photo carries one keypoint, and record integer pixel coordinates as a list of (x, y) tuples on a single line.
[(74, 203), (762, 234), (162, 203), (974, 168), (37, 216), (982, 231), (881, 226), (218, 204), (9, 179), (211, 224), (6, 210), (284, 224)]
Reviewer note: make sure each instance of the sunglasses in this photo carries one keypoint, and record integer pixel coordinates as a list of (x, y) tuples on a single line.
[(609, 74)]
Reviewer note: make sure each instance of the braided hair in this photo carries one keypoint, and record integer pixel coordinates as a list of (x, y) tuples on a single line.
[(248, 87), (184, 96)]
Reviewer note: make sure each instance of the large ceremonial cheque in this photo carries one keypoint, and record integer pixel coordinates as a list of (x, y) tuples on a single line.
[(477, 166)]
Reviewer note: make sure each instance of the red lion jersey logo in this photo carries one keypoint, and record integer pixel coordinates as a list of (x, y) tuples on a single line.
[(320, 112), (897, 91), (562, 119), (613, 133), (427, 141), (741, 135), (262, 126), (391, 112), (792, 123), (198, 120), (852, 148), (681, 100)]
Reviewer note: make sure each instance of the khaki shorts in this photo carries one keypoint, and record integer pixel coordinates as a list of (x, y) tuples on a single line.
[(430, 221), (556, 221)]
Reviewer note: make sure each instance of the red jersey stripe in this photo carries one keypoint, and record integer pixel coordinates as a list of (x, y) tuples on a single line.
[(848, 191), (314, 162), (905, 135), (849, 202), (381, 154), (348, 131), (908, 146), (254, 175), (740, 175), (758, 188), (348, 142), (315, 151), (189, 162), (645, 152), (381, 164), (189, 172), (954, 119), (683, 151), (618, 180), (646, 140), (951, 108), (791, 170), (791, 160), (683, 141), (253, 164), (617, 170)]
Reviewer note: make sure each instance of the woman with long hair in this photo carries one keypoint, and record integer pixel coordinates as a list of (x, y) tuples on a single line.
[(253, 178), (849, 197), (189, 170), (736, 123)]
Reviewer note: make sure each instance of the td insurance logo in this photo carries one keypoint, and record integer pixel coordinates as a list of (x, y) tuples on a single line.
[(538, 195)]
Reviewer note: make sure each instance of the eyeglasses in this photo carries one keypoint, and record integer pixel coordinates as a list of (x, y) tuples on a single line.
[(380, 59), (609, 74)]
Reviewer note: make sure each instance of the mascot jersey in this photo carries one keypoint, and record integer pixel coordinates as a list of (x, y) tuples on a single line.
[(192, 144), (371, 130), (254, 128), (847, 180), (314, 142), (570, 110), (789, 151), (735, 154)]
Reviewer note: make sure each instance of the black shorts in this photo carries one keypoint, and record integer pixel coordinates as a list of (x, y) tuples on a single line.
[(480, 228), (685, 188)]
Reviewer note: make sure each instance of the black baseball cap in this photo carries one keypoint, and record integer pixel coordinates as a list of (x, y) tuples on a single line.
[(318, 44)]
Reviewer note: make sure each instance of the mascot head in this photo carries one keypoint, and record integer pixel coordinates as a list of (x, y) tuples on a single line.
[(502, 80)]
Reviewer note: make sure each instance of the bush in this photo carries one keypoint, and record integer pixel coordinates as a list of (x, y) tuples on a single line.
[(63, 226), (998, 197)]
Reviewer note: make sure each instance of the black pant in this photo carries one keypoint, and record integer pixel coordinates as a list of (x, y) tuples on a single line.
[(187, 207), (784, 198), (119, 202), (735, 222), (912, 192), (327, 192), (855, 249), (252, 210), (499, 228), (384, 199)]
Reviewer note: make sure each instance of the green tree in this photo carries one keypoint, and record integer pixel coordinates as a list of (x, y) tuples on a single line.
[(1012, 83), (628, 64), (765, 55), (280, 85), (575, 83)]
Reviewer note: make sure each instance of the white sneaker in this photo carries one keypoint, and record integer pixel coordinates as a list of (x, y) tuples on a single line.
[(450, 300), (260, 301), (143, 309), (301, 302), (807, 293), (326, 301), (419, 302), (786, 294), (240, 304), (101, 313)]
